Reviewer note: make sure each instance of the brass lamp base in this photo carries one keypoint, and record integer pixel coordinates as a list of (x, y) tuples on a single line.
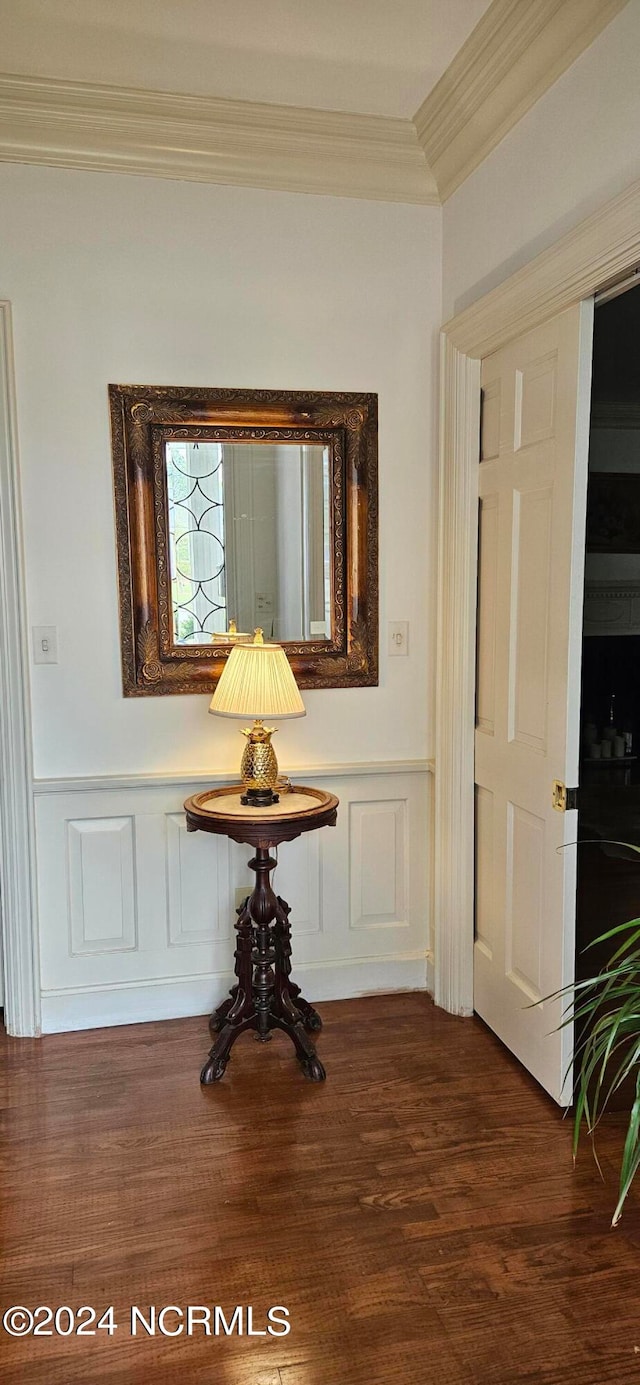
[(259, 767)]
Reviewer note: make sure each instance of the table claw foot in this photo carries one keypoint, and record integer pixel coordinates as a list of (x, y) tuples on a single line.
[(305, 1052), (218, 1058), (212, 1071), (313, 1069)]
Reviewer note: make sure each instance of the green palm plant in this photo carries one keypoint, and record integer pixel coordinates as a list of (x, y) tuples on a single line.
[(606, 1008)]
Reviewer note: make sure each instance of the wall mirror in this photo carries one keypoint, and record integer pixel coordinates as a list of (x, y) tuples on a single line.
[(251, 507)]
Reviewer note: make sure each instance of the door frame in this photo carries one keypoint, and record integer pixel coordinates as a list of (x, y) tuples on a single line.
[(596, 254), (17, 839)]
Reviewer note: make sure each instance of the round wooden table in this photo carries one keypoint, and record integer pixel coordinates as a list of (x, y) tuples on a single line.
[(264, 997)]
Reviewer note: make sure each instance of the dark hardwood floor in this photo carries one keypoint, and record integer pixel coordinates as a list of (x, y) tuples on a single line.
[(417, 1214)]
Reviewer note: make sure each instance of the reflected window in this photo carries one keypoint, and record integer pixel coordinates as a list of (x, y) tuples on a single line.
[(195, 487)]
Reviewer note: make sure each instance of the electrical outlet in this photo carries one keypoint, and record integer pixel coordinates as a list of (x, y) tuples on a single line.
[(398, 638), (45, 644), (241, 894)]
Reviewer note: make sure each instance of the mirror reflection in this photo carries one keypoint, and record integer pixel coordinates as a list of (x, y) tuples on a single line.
[(250, 541)]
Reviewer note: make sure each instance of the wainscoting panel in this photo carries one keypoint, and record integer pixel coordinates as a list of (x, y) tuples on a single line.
[(198, 896), (100, 866), (299, 878), (136, 915), (379, 864)]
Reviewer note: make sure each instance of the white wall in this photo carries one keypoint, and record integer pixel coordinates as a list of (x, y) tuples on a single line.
[(133, 280), (574, 150), (130, 280)]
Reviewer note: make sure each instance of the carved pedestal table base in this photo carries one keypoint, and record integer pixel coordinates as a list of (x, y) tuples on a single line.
[(264, 997)]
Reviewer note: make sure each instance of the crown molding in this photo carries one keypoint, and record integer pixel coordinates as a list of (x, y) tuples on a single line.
[(596, 254), (515, 53), (289, 148)]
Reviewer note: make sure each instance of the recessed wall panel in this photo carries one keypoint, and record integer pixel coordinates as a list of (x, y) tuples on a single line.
[(199, 904), (101, 882), (378, 848), (299, 880)]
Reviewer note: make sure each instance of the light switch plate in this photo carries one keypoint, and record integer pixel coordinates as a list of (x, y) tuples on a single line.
[(398, 643), (241, 894), (45, 644)]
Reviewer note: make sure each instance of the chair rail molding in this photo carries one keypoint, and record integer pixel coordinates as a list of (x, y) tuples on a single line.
[(204, 139), (161, 779), (516, 52), (17, 850), (598, 252)]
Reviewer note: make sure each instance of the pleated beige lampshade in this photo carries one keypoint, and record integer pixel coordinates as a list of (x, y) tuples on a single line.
[(257, 682)]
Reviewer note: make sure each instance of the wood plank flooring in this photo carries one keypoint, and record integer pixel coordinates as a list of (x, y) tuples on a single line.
[(417, 1214)]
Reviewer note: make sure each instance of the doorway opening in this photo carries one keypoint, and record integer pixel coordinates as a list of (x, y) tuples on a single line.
[(608, 890)]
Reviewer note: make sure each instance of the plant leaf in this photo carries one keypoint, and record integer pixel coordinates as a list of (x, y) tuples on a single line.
[(631, 1154)]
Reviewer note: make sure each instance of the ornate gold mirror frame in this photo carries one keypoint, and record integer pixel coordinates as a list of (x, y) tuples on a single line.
[(143, 419)]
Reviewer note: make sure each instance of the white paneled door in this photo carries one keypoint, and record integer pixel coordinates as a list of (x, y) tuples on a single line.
[(533, 483)]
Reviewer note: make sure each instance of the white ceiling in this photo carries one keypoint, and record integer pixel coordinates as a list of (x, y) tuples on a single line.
[(380, 57)]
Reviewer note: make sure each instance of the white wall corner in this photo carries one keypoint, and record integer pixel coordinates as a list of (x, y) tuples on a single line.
[(202, 139), (515, 53)]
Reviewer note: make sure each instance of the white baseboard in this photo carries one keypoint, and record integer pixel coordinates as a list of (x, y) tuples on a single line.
[(98, 1007)]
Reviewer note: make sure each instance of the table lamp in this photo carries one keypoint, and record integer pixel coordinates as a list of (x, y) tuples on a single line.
[(230, 636), (257, 682)]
